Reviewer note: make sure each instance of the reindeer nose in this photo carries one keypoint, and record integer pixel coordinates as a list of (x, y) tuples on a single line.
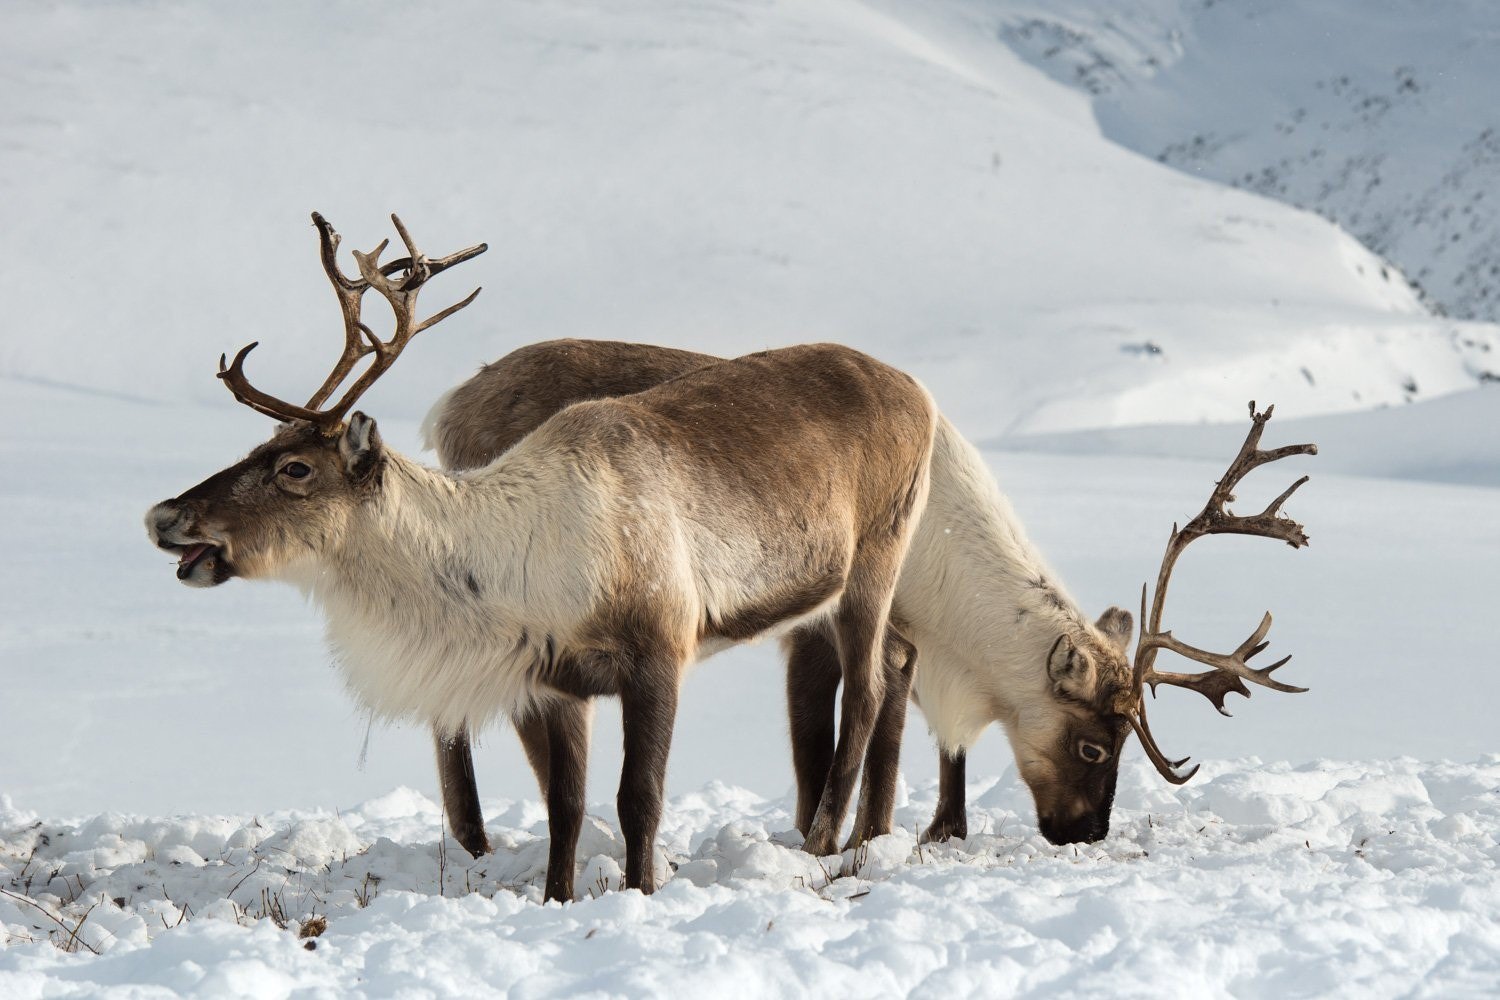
[(1085, 829), (160, 520)]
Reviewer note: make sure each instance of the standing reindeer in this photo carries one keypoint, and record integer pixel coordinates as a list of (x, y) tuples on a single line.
[(621, 541), (998, 638)]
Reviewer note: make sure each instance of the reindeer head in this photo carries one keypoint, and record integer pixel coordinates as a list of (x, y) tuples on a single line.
[(1068, 744), (287, 501), (291, 498), (1070, 754)]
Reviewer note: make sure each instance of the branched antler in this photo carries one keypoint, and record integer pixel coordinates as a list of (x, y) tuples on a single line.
[(1230, 670), (359, 341)]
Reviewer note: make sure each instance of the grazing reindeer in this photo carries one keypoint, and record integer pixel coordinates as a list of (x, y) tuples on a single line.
[(998, 637), (618, 543)]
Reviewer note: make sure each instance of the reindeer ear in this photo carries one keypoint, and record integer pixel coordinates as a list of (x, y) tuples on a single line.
[(1071, 670), (360, 447), (1118, 626)]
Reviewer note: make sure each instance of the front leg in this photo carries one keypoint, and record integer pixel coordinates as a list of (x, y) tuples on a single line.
[(455, 764), (859, 628), (951, 819), (648, 704)]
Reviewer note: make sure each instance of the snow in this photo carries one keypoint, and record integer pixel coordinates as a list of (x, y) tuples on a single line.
[(1256, 880), (726, 176)]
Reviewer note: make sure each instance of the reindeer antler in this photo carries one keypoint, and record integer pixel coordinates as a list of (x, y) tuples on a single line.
[(359, 340), (1230, 670)]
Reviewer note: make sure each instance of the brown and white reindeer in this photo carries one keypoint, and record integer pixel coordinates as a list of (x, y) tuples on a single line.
[(621, 541), (998, 637)]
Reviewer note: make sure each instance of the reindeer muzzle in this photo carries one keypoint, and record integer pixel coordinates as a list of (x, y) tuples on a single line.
[(201, 561)]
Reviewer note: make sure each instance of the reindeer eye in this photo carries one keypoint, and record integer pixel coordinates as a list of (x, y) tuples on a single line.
[(296, 470), (1092, 752)]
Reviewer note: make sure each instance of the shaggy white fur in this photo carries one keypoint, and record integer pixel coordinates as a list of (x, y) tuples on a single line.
[(984, 611)]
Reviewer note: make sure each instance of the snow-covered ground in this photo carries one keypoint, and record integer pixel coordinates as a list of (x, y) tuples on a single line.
[(1256, 881), (723, 175)]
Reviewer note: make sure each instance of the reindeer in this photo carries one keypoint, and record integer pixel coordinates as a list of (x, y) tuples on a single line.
[(620, 542), (998, 637)]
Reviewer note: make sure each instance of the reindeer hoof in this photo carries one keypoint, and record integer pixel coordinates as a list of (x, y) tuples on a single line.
[(820, 845), (945, 829), (477, 846)]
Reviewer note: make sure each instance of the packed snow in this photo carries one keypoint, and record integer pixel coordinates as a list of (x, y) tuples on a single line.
[(185, 788)]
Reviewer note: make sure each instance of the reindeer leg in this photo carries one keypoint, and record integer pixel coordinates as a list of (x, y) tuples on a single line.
[(812, 683), (648, 708), (951, 819), (877, 789), (564, 724), (532, 731), (455, 764), (859, 628)]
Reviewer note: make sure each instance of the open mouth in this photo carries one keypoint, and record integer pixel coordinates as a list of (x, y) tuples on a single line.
[(193, 555)]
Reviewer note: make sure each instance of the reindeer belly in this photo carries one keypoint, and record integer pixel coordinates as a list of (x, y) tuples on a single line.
[(775, 614)]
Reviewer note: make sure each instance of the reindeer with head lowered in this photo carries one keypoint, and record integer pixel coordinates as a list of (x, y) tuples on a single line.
[(622, 540), (998, 638)]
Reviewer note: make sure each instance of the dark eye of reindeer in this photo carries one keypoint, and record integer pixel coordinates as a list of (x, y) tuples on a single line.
[(296, 470), (1092, 752)]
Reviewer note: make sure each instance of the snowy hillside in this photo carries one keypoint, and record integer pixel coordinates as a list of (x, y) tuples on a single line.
[(725, 176), (182, 773), (1378, 114)]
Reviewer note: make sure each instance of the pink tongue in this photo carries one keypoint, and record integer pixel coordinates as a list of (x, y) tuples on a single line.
[(191, 553)]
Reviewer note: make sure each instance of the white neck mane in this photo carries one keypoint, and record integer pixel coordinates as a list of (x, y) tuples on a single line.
[(443, 596), (978, 600)]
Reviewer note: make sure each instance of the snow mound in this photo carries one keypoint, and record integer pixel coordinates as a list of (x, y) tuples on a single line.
[(1388, 871)]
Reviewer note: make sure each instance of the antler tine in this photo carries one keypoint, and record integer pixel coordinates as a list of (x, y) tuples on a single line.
[(418, 270), (359, 339), (435, 266), (234, 377), (1230, 670), (328, 240), (1167, 767)]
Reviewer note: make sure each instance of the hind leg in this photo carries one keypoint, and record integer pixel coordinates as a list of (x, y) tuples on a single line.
[(858, 628), (812, 685), (877, 788), (531, 729), (564, 727)]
